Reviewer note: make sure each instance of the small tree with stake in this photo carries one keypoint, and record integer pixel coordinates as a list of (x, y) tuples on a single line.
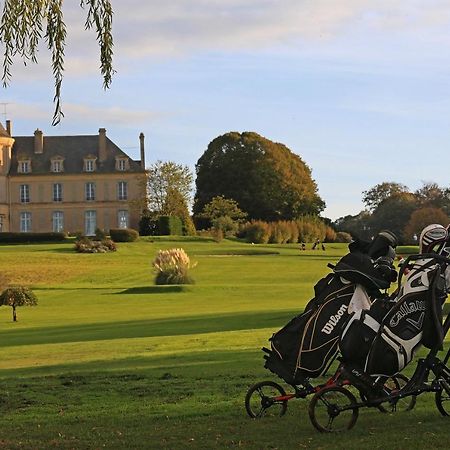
[(17, 296)]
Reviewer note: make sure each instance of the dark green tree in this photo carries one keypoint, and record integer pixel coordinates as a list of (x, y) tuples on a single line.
[(223, 207), (224, 214), (25, 23), (265, 178), (358, 226), (393, 214)]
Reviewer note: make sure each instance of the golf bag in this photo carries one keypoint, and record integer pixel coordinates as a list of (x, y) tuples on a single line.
[(305, 346), (383, 339)]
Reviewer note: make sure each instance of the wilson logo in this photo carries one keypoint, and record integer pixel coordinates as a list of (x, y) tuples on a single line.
[(333, 320)]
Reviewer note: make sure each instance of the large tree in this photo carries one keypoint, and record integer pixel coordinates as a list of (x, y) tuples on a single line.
[(25, 23), (265, 178)]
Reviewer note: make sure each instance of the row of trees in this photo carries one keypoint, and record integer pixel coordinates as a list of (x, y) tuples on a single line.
[(393, 206)]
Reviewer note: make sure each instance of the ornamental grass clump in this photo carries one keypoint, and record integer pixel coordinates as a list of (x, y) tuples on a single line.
[(172, 267)]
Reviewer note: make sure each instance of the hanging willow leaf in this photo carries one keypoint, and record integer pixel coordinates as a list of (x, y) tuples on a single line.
[(22, 29)]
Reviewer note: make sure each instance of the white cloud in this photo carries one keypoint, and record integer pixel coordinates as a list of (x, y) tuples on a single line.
[(150, 29), (74, 113), (183, 26)]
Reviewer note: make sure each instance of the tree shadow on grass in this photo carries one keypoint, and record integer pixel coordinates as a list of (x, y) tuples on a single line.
[(154, 289), (173, 326)]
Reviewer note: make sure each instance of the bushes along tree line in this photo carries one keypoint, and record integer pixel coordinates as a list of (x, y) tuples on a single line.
[(393, 206), (304, 229)]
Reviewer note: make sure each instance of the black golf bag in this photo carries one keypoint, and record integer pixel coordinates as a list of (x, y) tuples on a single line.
[(383, 339), (304, 347)]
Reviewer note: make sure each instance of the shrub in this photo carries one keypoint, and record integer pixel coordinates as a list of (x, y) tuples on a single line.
[(257, 232), (226, 225), (342, 236), (100, 235), (217, 234), (170, 226), (294, 232), (10, 237), (330, 235), (171, 267), (188, 227), (148, 226), (86, 245), (123, 234), (276, 235)]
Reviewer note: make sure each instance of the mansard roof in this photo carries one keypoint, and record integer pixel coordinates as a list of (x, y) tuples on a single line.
[(3, 132), (74, 149)]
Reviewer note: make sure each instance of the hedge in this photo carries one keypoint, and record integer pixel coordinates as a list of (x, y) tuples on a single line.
[(123, 234), (170, 226), (10, 237)]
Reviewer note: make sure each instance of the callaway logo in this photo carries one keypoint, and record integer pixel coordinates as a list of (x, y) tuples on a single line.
[(417, 324), (405, 310), (333, 320)]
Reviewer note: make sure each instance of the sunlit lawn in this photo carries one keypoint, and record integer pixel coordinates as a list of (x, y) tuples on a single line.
[(107, 359)]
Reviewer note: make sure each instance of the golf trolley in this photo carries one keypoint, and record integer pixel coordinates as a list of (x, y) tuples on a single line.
[(269, 399), (334, 408)]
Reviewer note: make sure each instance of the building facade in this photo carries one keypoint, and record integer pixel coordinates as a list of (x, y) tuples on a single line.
[(68, 183)]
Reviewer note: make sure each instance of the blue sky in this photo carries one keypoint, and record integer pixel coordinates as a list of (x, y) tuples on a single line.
[(360, 89)]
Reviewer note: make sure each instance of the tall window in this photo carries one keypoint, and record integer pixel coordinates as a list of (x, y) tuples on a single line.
[(25, 222), (90, 191), (1, 222), (90, 222), (24, 166), (24, 193), (58, 221), (123, 219), (57, 192), (122, 190)]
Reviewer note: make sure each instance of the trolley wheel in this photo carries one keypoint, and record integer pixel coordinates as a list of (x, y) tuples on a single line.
[(442, 398), (262, 400), (396, 382), (328, 409)]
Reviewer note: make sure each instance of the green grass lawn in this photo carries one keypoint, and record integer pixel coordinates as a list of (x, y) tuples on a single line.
[(108, 360)]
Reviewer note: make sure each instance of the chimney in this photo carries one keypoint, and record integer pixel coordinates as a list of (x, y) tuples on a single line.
[(141, 140), (9, 127), (102, 144), (38, 142)]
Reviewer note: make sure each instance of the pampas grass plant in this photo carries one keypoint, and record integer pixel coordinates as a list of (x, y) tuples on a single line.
[(172, 266)]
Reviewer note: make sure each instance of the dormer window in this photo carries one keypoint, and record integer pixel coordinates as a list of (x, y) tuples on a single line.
[(57, 164), (24, 166), (89, 164), (122, 164)]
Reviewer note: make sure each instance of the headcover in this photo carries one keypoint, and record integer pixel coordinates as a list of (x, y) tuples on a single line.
[(433, 238)]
